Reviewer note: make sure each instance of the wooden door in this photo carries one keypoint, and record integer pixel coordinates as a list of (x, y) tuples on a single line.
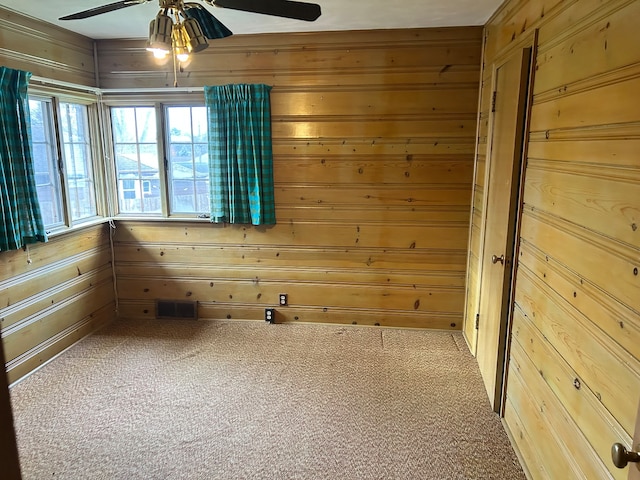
[(505, 161)]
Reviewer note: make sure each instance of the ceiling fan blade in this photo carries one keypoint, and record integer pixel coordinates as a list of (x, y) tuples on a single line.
[(278, 8), (210, 25), (103, 9)]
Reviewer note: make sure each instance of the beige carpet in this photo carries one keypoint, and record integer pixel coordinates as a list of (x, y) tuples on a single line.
[(246, 400)]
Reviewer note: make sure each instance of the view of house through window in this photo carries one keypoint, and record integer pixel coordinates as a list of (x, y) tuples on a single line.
[(188, 159), (138, 161), (64, 175), (161, 167), (46, 162), (64, 164), (78, 167), (136, 157)]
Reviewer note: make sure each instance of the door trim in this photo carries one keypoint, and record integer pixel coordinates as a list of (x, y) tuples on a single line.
[(527, 43)]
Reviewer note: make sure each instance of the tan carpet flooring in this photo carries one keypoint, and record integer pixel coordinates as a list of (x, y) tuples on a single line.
[(247, 400)]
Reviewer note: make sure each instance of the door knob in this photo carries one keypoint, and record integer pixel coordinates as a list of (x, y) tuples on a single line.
[(496, 259), (621, 456)]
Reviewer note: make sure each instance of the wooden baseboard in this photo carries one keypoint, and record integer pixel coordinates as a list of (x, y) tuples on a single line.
[(514, 445), (32, 360)]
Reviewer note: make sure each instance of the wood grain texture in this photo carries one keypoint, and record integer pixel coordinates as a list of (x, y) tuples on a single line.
[(539, 430), (574, 378), (595, 429), (45, 50), (525, 448), (369, 59), (373, 140), (64, 293), (593, 49)]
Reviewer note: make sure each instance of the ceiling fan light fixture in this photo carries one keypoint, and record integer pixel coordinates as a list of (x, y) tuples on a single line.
[(180, 44), (192, 24), (160, 35), (158, 53), (195, 39)]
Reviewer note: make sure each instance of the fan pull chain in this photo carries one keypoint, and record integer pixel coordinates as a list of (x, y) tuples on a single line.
[(175, 71)]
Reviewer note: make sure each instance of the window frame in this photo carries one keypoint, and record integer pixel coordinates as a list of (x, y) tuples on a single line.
[(55, 96), (54, 161), (112, 164), (92, 163), (98, 102), (167, 141), (160, 100)]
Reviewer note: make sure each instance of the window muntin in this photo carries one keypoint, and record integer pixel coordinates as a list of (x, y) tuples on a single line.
[(188, 159), (137, 164), (46, 162)]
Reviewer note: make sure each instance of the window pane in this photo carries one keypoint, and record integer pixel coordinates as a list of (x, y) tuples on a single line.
[(45, 163), (200, 131), (201, 160), (183, 198), (179, 124), (122, 121), (37, 113), (136, 158), (76, 147), (146, 120), (188, 159)]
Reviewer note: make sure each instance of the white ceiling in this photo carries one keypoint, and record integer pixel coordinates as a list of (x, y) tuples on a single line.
[(133, 21)]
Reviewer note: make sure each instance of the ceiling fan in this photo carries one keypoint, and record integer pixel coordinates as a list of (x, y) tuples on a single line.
[(278, 8), (184, 27)]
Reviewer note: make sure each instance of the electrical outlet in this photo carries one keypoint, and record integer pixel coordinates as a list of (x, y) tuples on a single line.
[(270, 315), (283, 299)]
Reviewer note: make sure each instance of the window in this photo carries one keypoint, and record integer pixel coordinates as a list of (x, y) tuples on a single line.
[(63, 161), (139, 170), (188, 159), (135, 146), (76, 151), (45, 159)]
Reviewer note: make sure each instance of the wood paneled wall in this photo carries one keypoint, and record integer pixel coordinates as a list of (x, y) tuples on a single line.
[(373, 159), (573, 382), (52, 295), (45, 50), (55, 293)]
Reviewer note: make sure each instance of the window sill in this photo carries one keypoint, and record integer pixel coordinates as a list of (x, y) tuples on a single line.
[(157, 218), (59, 232)]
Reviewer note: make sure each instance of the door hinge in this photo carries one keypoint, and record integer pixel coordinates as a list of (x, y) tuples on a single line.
[(477, 320), (493, 101)]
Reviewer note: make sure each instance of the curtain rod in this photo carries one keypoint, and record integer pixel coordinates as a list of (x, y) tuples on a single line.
[(134, 90), (101, 91), (59, 83)]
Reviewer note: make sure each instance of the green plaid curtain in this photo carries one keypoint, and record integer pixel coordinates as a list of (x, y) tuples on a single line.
[(240, 154), (20, 210)]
